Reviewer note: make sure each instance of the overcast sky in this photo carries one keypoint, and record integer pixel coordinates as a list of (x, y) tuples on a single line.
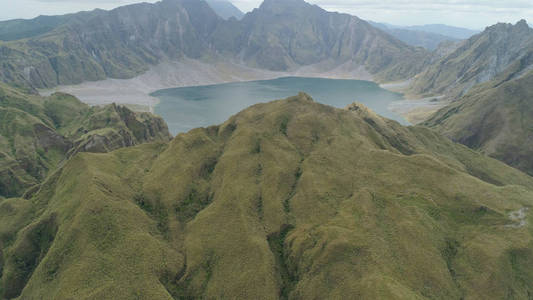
[(475, 14)]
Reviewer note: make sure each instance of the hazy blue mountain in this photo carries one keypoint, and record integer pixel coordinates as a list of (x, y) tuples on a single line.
[(225, 9), (451, 31), (416, 38), (459, 33)]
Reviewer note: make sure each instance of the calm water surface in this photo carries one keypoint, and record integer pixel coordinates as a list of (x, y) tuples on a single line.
[(191, 107)]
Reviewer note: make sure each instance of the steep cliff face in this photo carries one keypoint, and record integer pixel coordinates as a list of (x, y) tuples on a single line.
[(37, 134), (479, 59), (289, 199), (280, 35), (120, 43), (115, 127)]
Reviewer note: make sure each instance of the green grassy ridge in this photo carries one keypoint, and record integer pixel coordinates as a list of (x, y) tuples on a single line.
[(290, 199), (37, 134), (495, 118)]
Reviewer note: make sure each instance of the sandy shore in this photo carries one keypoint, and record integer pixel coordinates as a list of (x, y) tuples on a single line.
[(136, 92), (419, 110), (414, 110)]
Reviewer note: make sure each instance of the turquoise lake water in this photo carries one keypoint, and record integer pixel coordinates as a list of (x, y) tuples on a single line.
[(190, 107)]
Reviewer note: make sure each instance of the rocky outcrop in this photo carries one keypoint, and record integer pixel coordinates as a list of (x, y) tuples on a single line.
[(37, 134), (123, 128)]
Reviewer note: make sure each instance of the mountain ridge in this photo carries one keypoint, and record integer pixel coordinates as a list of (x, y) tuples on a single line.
[(311, 209), (121, 44), (477, 60)]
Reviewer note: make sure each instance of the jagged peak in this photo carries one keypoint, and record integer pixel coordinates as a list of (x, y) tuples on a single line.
[(519, 26), (522, 22)]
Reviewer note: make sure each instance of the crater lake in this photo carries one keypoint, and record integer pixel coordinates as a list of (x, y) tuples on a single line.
[(187, 108)]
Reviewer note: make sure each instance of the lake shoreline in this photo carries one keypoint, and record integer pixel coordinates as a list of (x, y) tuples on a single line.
[(186, 108), (136, 92)]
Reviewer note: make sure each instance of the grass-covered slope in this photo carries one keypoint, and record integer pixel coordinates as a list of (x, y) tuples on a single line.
[(37, 133), (290, 199), (496, 118)]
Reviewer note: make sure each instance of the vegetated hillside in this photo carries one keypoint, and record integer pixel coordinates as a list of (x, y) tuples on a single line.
[(417, 38), (280, 35), (225, 9), (479, 59), (289, 199), (496, 118), (37, 134)]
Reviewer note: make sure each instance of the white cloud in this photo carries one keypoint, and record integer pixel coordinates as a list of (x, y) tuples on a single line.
[(475, 14)]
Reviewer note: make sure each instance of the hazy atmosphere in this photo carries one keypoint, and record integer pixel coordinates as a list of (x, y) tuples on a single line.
[(474, 14)]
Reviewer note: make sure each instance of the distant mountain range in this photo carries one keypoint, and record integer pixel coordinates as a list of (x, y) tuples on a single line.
[(279, 35), (445, 30), (422, 36)]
